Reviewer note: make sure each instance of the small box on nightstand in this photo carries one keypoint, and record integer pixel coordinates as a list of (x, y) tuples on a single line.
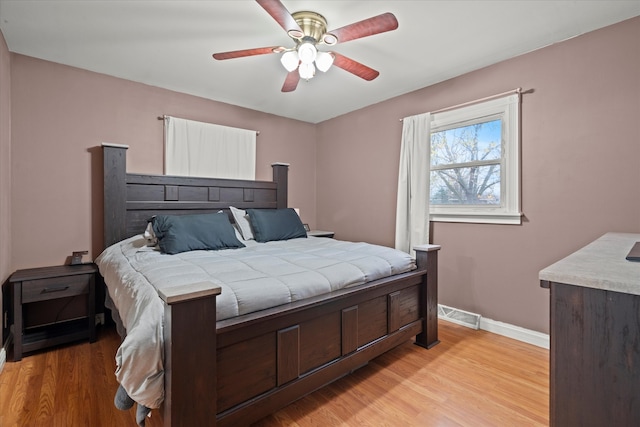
[(52, 305)]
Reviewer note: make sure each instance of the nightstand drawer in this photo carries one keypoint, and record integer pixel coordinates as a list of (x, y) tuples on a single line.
[(56, 287)]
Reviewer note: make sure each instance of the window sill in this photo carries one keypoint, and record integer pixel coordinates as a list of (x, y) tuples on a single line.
[(479, 217)]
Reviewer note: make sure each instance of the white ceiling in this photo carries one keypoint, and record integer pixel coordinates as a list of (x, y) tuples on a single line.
[(169, 44)]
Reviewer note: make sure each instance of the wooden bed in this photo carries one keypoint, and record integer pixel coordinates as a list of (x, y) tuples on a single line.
[(247, 367)]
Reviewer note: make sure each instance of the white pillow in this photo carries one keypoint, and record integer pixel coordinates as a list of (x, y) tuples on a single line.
[(150, 235), (242, 221), (237, 231)]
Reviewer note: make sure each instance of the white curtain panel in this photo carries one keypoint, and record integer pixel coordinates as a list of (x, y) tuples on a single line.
[(208, 150), (412, 213)]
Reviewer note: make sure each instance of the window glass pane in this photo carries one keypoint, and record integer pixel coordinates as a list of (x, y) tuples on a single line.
[(480, 141), (477, 185)]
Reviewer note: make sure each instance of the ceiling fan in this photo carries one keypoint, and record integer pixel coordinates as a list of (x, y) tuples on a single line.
[(309, 31)]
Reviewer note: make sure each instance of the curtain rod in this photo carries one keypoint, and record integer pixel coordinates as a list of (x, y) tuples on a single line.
[(165, 116), (517, 90)]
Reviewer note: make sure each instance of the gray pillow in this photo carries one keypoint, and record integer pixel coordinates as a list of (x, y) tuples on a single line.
[(275, 224), (182, 233)]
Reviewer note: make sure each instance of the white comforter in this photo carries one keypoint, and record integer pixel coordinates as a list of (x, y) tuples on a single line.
[(260, 276)]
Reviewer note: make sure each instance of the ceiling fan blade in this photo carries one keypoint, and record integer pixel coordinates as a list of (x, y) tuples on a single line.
[(280, 14), (291, 82), (354, 67), (367, 27), (245, 52)]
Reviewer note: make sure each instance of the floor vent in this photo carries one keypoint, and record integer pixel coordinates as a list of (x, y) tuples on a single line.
[(461, 317)]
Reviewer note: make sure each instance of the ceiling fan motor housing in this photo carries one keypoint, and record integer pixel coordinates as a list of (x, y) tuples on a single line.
[(312, 24)]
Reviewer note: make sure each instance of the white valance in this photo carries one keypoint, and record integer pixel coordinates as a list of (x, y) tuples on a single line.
[(195, 148)]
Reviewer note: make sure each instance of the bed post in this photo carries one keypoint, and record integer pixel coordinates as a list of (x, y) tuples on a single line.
[(190, 368), (115, 186), (427, 259), (280, 177)]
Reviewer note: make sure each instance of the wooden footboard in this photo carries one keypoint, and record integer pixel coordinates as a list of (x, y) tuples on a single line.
[(266, 361), (236, 371), (254, 365)]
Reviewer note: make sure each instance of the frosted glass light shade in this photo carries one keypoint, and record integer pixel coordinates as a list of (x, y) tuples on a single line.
[(306, 71), (290, 60), (307, 53), (324, 60)]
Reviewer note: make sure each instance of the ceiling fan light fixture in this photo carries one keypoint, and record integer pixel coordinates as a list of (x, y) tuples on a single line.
[(307, 53), (324, 60), (290, 60), (329, 39), (306, 71), (295, 34)]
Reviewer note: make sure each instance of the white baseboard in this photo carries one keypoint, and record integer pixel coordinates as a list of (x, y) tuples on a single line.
[(516, 332), (3, 358), (3, 350)]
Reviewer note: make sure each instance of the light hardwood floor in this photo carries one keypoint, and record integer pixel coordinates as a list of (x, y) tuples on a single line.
[(472, 378)]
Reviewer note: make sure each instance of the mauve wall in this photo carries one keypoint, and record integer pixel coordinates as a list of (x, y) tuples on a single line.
[(580, 150), (5, 165), (60, 115), (580, 170)]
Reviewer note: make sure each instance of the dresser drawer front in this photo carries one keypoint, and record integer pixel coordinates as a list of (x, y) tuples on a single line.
[(56, 287)]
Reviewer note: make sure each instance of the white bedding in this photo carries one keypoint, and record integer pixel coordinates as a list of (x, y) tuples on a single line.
[(260, 276)]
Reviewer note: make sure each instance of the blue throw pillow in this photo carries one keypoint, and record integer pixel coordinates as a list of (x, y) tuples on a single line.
[(182, 233), (275, 224)]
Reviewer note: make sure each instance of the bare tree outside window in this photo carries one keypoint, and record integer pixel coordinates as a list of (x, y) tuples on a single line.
[(465, 164)]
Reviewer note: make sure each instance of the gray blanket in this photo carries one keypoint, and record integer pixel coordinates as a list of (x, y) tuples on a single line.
[(260, 276)]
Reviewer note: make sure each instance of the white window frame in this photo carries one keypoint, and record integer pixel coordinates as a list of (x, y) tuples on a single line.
[(508, 212)]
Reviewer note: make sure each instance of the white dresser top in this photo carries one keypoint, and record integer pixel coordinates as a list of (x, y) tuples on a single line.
[(600, 265)]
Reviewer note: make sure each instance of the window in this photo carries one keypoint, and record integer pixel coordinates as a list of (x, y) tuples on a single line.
[(475, 174)]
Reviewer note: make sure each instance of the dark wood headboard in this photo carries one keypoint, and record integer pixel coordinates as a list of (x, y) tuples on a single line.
[(131, 199)]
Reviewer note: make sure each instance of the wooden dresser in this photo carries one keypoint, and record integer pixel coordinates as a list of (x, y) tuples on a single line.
[(595, 335)]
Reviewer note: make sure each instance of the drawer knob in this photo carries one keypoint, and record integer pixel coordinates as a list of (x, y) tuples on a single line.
[(56, 289)]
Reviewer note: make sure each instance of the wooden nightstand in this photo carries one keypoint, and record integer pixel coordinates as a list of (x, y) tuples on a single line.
[(52, 305), (320, 233)]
